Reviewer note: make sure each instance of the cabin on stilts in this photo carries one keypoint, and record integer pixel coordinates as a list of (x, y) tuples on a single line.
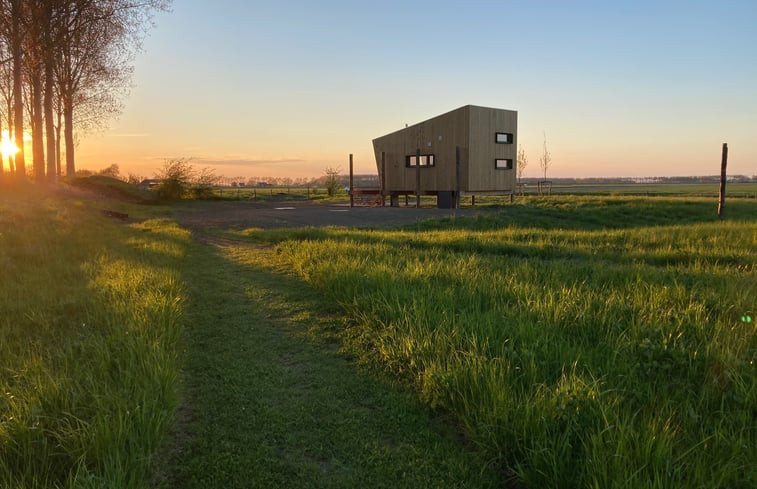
[(466, 152)]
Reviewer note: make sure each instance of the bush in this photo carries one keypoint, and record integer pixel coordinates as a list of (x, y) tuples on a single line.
[(176, 177), (332, 180), (179, 179), (204, 181)]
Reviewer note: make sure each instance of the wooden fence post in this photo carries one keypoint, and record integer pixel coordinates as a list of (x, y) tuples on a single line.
[(383, 178), (418, 178), (352, 196), (721, 197), (457, 177)]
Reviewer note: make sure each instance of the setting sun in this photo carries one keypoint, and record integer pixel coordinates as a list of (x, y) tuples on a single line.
[(7, 147)]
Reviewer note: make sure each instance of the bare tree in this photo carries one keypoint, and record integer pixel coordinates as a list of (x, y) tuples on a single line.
[(98, 43), (545, 160), (331, 175), (35, 24), (522, 162), (69, 58), (6, 78), (16, 41)]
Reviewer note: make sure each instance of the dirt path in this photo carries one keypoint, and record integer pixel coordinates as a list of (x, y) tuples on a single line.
[(240, 215)]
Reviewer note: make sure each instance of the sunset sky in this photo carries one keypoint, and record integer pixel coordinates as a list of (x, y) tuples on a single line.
[(287, 88)]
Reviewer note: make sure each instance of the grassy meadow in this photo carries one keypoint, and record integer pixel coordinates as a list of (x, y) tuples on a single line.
[(580, 341), (568, 341), (89, 341)]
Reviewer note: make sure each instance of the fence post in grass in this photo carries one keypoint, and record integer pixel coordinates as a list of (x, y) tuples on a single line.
[(721, 197), (418, 178), (457, 177), (383, 178), (352, 195)]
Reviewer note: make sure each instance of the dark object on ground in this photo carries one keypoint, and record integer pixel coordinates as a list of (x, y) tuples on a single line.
[(116, 215)]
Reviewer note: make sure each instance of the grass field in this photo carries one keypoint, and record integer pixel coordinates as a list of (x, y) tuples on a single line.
[(89, 342), (733, 190), (582, 342), (601, 341), (739, 190)]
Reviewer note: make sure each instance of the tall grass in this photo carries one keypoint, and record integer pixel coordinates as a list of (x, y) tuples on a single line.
[(88, 342), (581, 352)]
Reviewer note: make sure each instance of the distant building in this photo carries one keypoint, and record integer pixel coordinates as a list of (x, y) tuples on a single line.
[(149, 183), (422, 159)]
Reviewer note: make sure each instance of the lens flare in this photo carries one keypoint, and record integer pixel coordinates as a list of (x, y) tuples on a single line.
[(7, 147)]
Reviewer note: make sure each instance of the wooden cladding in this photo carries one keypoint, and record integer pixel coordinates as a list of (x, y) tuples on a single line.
[(422, 157)]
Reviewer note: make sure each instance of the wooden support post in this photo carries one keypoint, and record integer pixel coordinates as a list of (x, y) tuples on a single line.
[(457, 177), (721, 197), (383, 178), (352, 196), (473, 201), (418, 178)]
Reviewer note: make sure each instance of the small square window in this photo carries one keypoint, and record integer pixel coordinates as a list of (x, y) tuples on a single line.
[(503, 138), (503, 164)]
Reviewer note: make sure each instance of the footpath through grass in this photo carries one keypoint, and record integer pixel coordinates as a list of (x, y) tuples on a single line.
[(270, 402), (581, 342), (98, 318)]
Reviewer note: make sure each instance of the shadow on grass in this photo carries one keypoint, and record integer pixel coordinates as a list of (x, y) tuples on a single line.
[(270, 402)]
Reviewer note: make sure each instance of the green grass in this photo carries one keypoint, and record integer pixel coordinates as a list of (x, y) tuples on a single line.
[(581, 342), (277, 193), (270, 402), (88, 342), (114, 188), (739, 190), (575, 341)]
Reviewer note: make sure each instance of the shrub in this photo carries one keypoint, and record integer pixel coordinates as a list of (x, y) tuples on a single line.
[(176, 177)]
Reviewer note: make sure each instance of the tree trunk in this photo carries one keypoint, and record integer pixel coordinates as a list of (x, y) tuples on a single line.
[(68, 131), (18, 100), (38, 145), (1, 156), (57, 143), (49, 123), (11, 167)]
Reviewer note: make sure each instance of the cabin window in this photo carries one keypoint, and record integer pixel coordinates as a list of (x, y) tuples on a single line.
[(411, 161), (503, 138), (503, 164)]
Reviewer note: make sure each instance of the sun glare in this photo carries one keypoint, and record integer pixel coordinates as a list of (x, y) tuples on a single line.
[(7, 147)]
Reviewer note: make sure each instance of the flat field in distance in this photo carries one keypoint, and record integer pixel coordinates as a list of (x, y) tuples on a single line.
[(580, 341), (745, 190)]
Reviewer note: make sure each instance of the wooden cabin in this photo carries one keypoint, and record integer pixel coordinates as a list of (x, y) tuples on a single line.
[(468, 151)]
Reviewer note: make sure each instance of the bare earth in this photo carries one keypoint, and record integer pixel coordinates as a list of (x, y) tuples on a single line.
[(241, 215)]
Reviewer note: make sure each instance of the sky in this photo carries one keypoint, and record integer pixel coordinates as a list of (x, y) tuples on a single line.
[(288, 88)]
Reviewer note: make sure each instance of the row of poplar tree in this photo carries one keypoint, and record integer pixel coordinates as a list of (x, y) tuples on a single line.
[(64, 67)]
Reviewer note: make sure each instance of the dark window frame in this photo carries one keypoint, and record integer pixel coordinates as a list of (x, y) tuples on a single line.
[(508, 164), (429, 158), (509, 135)]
